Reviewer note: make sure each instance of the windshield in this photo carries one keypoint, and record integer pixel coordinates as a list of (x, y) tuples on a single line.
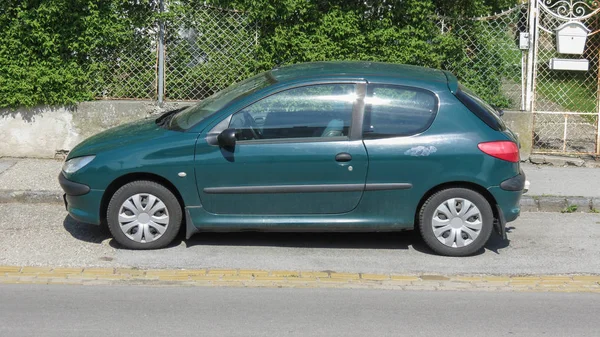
[(208, 106)]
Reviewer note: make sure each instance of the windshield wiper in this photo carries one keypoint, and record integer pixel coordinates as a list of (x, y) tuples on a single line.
[(499, 111), (167, 116)]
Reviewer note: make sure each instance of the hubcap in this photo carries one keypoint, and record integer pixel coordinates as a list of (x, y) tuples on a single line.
[(456, 222), (143, 218)]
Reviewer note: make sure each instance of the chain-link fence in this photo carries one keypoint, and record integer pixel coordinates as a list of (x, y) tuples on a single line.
[(206, 50), (209, 48), (488, 59), (129, 70), (565, 104)]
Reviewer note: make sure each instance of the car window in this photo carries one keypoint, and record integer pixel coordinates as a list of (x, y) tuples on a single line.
[(392, 111), (322, 111), (208, 106), (480, 108)]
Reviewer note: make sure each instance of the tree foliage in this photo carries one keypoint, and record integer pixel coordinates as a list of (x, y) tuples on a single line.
[(401, 31), (57, 51), (49, 49)]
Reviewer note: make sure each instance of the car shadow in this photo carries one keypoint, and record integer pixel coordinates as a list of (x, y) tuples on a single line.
[(368, 240), (381, 240), (86, 232)]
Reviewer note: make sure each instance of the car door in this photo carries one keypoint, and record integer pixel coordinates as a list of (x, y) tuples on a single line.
[(401, 154), (293, 155)]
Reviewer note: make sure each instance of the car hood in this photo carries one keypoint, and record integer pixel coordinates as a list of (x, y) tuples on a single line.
[(126, 134)]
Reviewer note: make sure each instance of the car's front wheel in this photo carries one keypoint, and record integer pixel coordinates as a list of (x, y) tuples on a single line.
[(144, 215), (456, 222)]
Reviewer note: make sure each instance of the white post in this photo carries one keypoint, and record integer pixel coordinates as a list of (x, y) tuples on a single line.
[(523, 80), (565, 133), (598, 133), (532, 18)]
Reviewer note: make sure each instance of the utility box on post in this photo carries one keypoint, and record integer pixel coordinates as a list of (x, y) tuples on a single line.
[(571, 37)]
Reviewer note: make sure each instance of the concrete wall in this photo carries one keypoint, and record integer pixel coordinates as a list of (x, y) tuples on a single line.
[(521, 123), (45, 131), (50, 131)]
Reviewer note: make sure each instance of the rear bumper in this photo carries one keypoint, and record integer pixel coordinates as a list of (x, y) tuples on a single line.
[(508, 202), (516, 183), (508, 196)]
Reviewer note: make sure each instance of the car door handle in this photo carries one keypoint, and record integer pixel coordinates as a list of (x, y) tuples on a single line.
[(343, 157)]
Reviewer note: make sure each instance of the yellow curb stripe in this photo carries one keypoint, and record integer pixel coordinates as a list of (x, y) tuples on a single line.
[(285, 273), (97, 271), (299, 279), (9, 269), (375, 277), (253, 272), (344, 276), (314, 274), (222, 272), (34, 270)]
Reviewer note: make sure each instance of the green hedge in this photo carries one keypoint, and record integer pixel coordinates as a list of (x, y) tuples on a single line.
[(52, 51), (66, 51)]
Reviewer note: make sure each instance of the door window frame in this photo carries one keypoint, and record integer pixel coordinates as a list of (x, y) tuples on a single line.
[(356, 121), (371, 85)]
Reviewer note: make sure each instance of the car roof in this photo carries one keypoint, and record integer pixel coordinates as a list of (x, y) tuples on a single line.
[(359, 69)]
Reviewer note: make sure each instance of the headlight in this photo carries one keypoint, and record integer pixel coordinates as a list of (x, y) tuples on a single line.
[(73, 165)]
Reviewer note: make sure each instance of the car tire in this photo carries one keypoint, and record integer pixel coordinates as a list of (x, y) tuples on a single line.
[(144, 215), (456, 222)]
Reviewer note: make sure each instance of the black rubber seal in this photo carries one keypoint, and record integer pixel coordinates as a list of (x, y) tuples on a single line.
[(71, 187), (516, 183)]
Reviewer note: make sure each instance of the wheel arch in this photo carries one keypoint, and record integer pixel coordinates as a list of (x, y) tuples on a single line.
[(458, 184), (130, 177)]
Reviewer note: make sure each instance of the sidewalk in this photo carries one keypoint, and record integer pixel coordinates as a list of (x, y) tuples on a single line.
[(553, 189)]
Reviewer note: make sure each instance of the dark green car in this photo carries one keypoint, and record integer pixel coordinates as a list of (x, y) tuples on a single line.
[(328, 146)]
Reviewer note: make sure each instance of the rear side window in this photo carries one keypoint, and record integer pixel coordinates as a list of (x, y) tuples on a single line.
[(393, 111), (480, 108)]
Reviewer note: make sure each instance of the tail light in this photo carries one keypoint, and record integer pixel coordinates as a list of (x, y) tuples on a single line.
[(504, 150)]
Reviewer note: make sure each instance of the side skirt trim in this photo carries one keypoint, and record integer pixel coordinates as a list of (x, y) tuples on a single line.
[(306, 188)]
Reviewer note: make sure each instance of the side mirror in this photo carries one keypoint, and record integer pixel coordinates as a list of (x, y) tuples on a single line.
[(227, 138)]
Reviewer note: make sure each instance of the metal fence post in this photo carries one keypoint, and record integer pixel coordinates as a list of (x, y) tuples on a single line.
[(161, 55), (532, 16), (598, 106)]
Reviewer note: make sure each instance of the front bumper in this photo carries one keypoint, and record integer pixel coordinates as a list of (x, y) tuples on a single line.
[(82, 202), (71, 187)]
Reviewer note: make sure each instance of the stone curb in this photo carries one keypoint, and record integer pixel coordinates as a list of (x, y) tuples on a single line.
[(31, 197), (535, 203), (296, 279), (529, 203), (562, 161)]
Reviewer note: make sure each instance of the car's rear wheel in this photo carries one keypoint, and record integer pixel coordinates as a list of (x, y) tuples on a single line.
[(456, 222), (144, 215)]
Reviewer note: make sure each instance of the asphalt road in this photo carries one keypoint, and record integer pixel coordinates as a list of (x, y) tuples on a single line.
[(37, 310), (540, 243)]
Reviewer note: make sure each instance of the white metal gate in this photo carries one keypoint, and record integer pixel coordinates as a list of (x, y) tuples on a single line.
[(563, 86)]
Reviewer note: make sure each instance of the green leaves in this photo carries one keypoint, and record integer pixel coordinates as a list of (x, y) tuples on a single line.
[(65, 51), (48, 48)]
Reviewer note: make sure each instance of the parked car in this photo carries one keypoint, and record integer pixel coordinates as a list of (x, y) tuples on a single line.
[(326, 146)]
